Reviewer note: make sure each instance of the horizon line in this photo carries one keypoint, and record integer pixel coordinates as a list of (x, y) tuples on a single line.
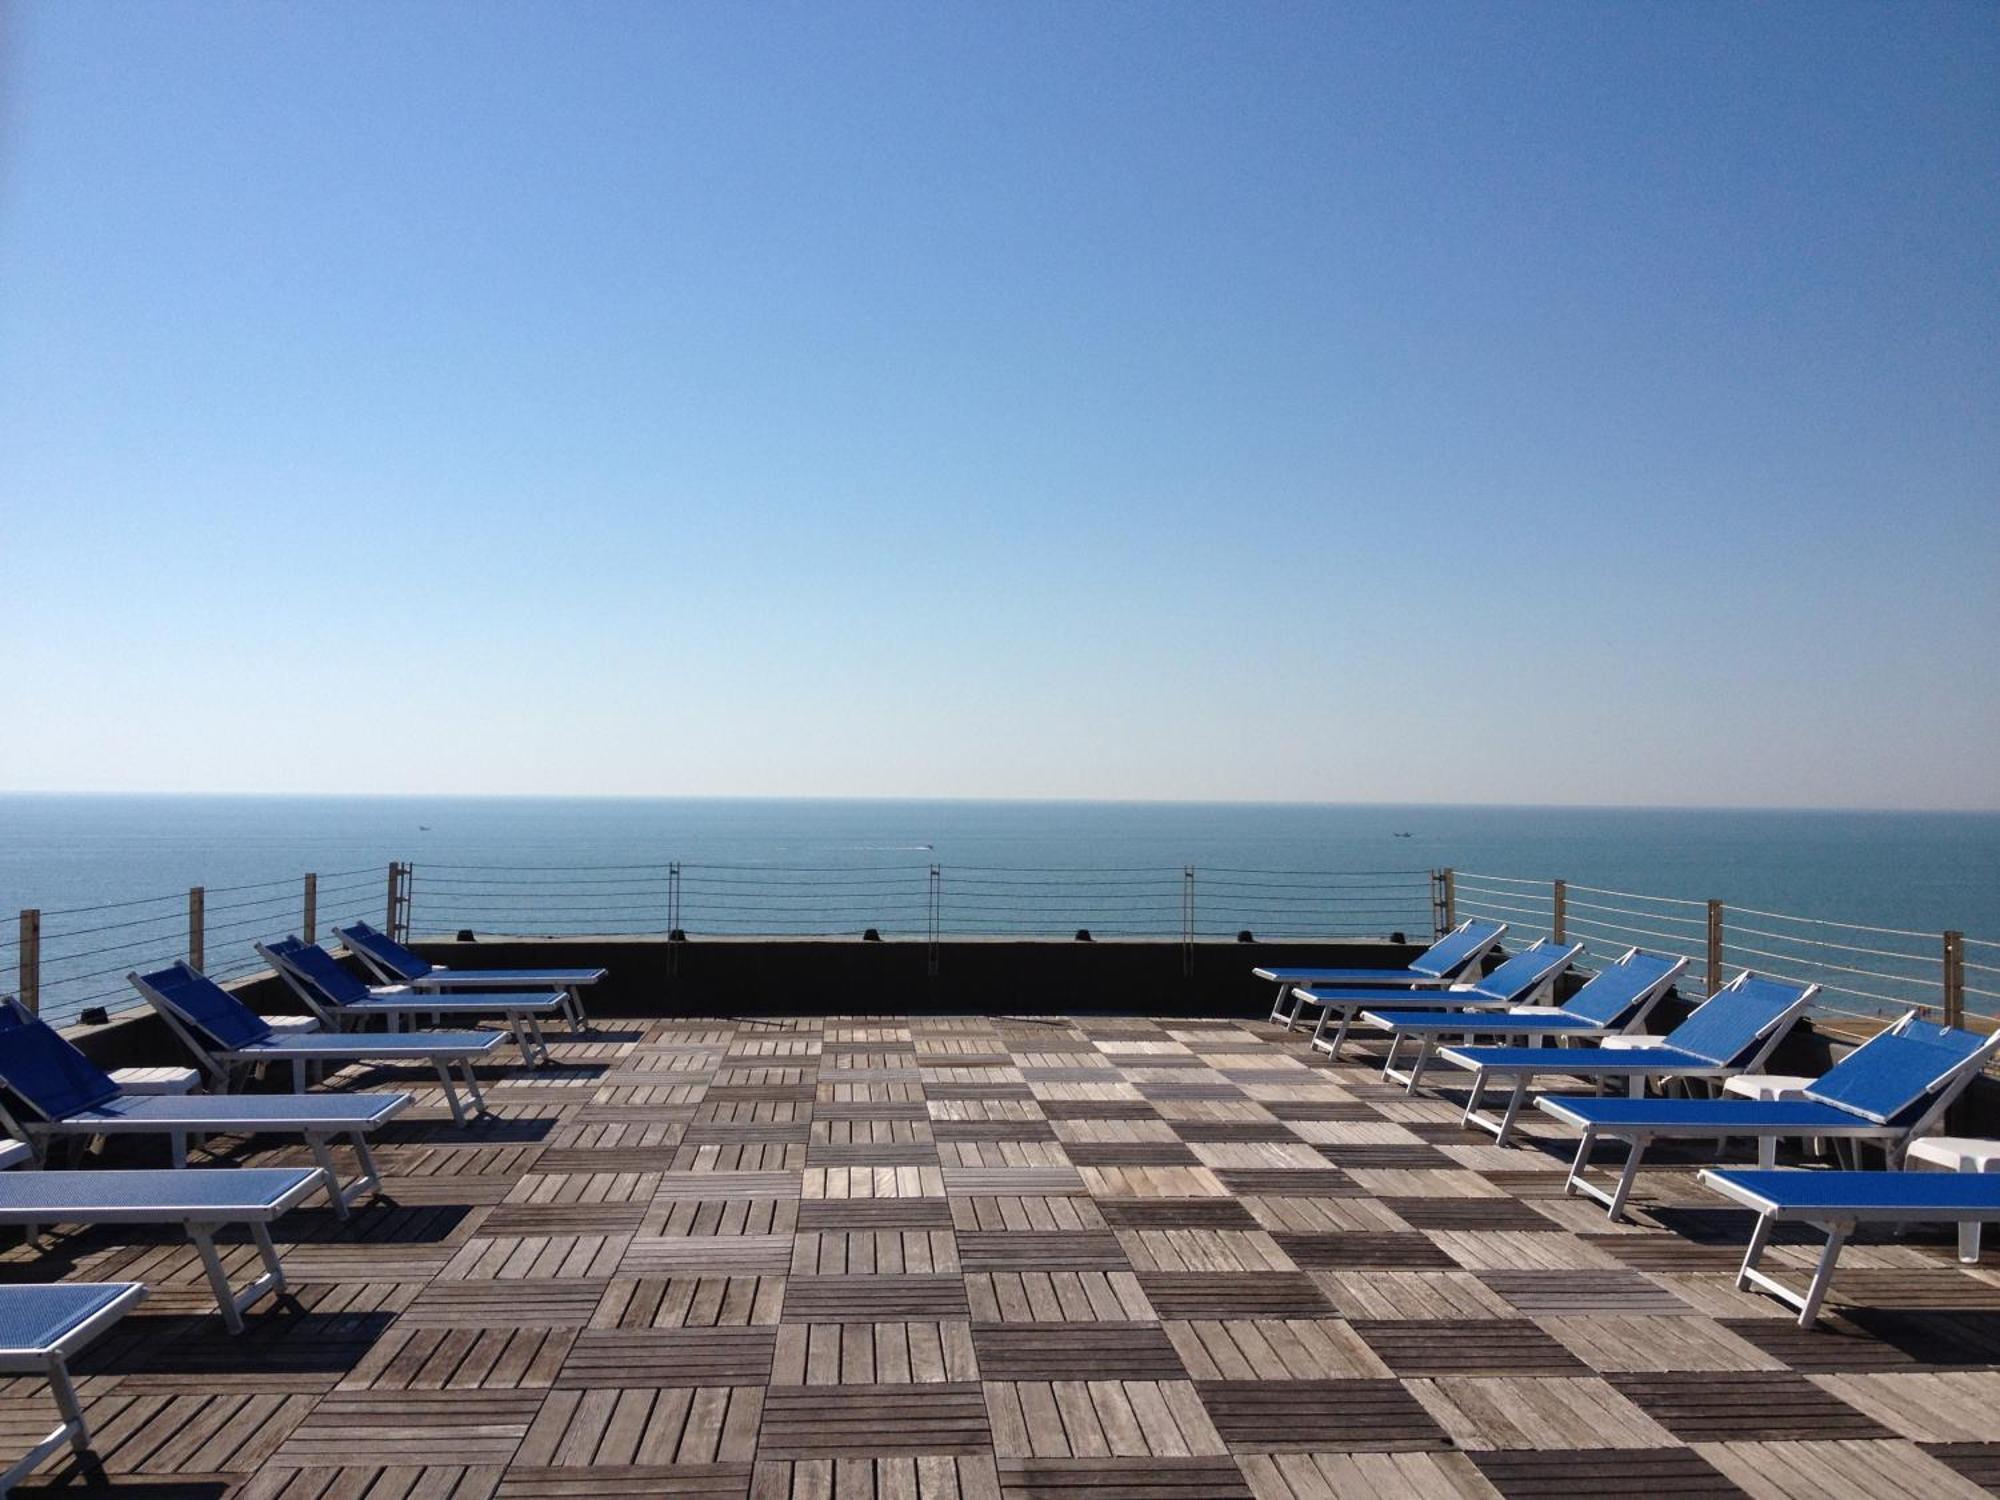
[(1039, 801)]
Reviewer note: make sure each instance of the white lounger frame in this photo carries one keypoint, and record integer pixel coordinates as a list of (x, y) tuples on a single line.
[(1523, 1078), (442, 977), (1891, 1138), (51, 1362), (1455, 996), (1292, 990), (224, 1065), (201, 1223), (40, 1134), (1837, 1228), (523, 1024), (1428, 1044)]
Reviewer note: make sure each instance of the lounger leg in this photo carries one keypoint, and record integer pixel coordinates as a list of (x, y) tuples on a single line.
[(298, 1075), (1417, 1068), (323, 1157), (74, 1427), (450, 1090), (1278, 1012), (1767, 1152), (1823, 1273), (1760, 1236), (1615, 1207), (541, 1042), (1332, 1048), (370, 1180), (1389, 1057), (466, 1067), (1573, 1184), (71, 1431), (218, 1277), (1514, 1102)]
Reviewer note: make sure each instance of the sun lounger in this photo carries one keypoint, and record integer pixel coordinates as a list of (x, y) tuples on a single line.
[(1616, 999), (393, 963), (1442, 963), (1837, 1202), (52, 1090), (1885, 1092), (226, 1036), (202, 1200), (1731, 1032), (40, 1328), (1518, 981), (340, 1000)]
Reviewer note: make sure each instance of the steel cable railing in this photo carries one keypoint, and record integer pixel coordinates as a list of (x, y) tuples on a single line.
[(1864, 970), (66, 961), (75, 958)]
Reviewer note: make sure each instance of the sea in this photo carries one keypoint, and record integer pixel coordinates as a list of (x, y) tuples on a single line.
[(101, 867)]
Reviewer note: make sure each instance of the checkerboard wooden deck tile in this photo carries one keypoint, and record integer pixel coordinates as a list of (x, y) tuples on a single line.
[(1025, 1257)]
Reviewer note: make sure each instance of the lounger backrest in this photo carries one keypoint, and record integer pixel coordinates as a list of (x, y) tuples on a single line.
[(45, 1072), (1526, 972), (1617, 988), (204, 1005), (1894, 1075), (1457, 948), (384, 949), (318, 970), (1727, 1027)]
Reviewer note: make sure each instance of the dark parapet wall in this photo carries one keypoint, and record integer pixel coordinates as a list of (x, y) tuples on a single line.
[(728, 976)]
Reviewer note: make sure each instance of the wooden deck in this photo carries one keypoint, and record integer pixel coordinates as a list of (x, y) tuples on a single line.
[(1009, 1257)]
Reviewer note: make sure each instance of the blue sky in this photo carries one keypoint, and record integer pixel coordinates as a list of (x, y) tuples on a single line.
[(1544, 403)]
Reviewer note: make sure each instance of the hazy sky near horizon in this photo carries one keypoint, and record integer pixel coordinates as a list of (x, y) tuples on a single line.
[(1476, 403)]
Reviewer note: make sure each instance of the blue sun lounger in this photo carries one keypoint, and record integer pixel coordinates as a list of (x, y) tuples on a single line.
[(1518, 981), (340, 1000), (202, 1200), (1731, 1032), (40, 1328), (1618, 998), (393, 963), (1442, 963), (226, 1036), (1837, 1202), (1891, 1088), (48, 1089)]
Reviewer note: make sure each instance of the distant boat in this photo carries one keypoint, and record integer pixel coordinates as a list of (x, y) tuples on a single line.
[(426, 828), (1404, 835)]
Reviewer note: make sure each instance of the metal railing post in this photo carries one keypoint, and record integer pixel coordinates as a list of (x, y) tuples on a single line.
[(30, 959), (935, 917), (1714, 946), (389, 904), (674, 934), (309, 912), (1559, 912), (1187, 921), (197, 926), (1955, 979), (1450, 899)]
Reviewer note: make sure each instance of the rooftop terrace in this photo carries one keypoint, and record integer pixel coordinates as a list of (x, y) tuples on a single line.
[(1010, 1256)]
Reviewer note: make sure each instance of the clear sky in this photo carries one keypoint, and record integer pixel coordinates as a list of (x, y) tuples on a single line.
[(1546, 403)]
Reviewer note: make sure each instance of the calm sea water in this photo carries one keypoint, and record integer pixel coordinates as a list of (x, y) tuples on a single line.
[(1919, 870)]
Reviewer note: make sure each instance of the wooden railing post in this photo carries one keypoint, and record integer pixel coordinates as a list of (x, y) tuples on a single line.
[(1954, 978), (197, 926), (1714, 946), (30, 959), (1559, 912), (309, 917)]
